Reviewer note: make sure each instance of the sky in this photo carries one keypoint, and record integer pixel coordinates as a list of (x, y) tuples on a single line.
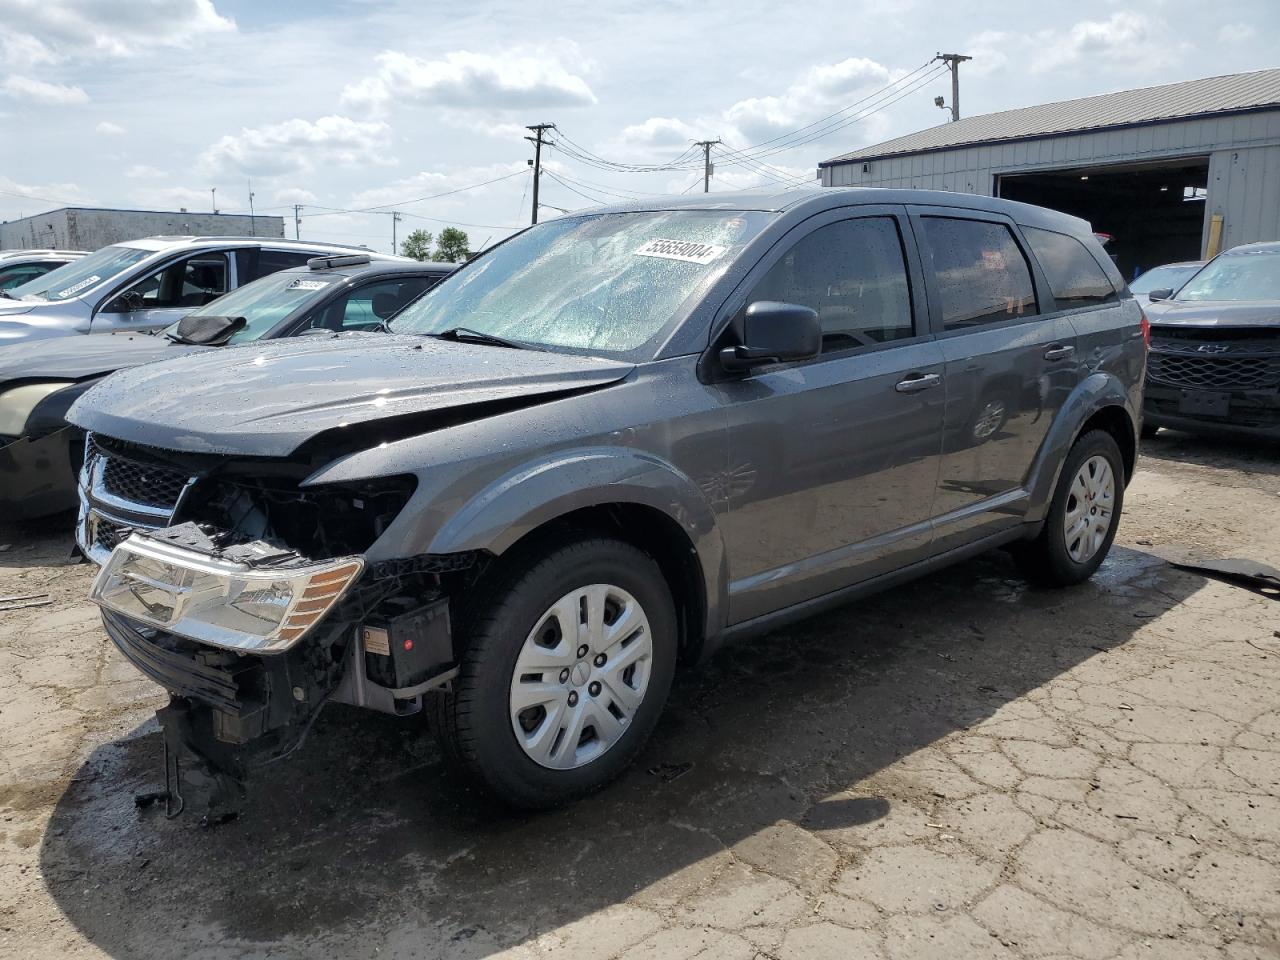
[(357, 108)]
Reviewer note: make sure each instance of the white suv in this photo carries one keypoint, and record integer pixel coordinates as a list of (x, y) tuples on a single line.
[(147, 284)]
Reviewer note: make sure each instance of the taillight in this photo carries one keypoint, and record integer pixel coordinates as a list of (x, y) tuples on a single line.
[(1146, 328)]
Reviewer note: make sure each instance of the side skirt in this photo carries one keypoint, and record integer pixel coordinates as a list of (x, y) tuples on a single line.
[(809, 608)]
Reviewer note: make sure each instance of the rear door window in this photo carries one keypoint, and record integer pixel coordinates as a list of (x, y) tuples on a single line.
[(981, 273), (854, 274), (1075, 279)]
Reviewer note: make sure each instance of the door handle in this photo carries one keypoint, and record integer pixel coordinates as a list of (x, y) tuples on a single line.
[(1059, 352), (917, 382)]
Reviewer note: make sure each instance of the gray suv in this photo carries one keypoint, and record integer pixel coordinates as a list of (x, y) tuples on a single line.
[(594, 454)]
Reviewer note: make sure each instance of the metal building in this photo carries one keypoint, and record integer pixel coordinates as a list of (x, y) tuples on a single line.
[(88, 228), (1175, 172)]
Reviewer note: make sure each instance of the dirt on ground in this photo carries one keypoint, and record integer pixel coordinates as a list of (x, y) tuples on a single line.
[(962, 767)]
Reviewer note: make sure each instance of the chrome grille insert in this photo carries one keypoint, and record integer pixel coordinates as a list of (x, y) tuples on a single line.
[(119, 495)]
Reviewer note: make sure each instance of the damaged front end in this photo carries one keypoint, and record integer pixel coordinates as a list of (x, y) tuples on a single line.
[(255, 607)]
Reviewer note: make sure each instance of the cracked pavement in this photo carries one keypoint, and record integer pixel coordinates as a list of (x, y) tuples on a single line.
[(962, 767)]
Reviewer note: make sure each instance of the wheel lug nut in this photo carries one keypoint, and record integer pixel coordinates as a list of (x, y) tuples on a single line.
[(594, 689), (599, 660), (573, 698), (564, 675), (583, 651)]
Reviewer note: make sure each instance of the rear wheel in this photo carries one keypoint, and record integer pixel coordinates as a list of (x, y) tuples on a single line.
[(564, 674), (1083, 515)]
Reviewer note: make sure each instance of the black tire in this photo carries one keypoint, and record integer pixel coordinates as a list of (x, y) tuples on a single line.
[(1149, 430), (1047, 559), (472, 719)]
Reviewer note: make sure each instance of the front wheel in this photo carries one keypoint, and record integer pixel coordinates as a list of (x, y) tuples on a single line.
[(1083, 515), (564, 674)]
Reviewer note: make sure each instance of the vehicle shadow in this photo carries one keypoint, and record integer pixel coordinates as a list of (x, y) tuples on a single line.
[(1248, 454), (44, 542), (364, 838)]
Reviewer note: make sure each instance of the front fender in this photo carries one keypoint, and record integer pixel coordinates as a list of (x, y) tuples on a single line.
[(1098, 390), (535, 494)]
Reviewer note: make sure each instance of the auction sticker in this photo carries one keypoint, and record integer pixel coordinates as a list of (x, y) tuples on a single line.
[(77, 287), (685, 250), (308, 284)]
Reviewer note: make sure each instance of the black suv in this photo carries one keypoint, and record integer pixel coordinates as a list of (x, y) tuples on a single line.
[(597, 452), (1215, 347)]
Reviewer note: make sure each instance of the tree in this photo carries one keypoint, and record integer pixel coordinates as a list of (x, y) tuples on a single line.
[(417, 245), (451, 247)]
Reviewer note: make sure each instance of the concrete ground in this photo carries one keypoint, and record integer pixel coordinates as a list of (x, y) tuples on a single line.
[(963, 767)]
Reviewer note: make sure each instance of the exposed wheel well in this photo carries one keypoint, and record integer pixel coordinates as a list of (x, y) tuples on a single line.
[(1115, 420), (656, 534)]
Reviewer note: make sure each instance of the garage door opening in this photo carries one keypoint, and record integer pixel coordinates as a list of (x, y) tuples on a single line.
[(1153, 212)]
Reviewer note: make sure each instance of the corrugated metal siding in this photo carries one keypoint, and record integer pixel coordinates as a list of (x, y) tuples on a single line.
[(1244, 167)]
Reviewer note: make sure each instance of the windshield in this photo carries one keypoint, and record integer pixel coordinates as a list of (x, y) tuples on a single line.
[(609, 284), (1237, 276), (81, 275), (1170, 276), (264, 302)]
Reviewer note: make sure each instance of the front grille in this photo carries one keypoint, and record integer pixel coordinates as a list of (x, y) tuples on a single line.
[(143, 483), (1215, 372), (119, 494)]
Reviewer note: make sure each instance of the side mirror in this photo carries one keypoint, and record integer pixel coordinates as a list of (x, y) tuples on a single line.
[(127, 302), (1163, 294), (774, 332)]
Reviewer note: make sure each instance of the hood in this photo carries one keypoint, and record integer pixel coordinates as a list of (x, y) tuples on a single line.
[(24, 320), (1214, 313), (81, 357), (270, 398)]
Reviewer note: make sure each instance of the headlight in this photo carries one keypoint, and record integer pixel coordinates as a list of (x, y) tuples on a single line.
[(220, 602), (17, 403)]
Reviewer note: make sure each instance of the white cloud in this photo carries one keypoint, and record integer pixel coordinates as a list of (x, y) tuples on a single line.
[(33, 197), (462, 79), (109, 129), (293, 195), (177, 198), (298, 146), (51, 31), (140, 171), (1236, 33), (428, 183), (1125, 42), (38, 91)]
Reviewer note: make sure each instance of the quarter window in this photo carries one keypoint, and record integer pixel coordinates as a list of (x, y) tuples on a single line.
[(981, 273), (273, 261), (1073, 274), (854, 274)]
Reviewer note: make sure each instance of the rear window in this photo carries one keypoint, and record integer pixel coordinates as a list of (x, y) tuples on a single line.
[(981, 273), (1074, 276)]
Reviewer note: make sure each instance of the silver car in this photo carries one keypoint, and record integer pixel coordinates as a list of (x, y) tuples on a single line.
[(146, 284), (22, 266)]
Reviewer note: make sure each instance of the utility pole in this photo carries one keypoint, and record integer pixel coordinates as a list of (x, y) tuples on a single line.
[(953, 61), (395, 218), (297, 221), (253, 227), (706, 146), (213, 195), (538, 129)]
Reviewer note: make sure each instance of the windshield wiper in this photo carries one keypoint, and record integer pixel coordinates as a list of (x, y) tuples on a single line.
[(467, 335)]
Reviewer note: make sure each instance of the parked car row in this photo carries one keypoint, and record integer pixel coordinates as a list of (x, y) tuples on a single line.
[(22, 266), (144, 284), (40, 454), (587, 458)]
